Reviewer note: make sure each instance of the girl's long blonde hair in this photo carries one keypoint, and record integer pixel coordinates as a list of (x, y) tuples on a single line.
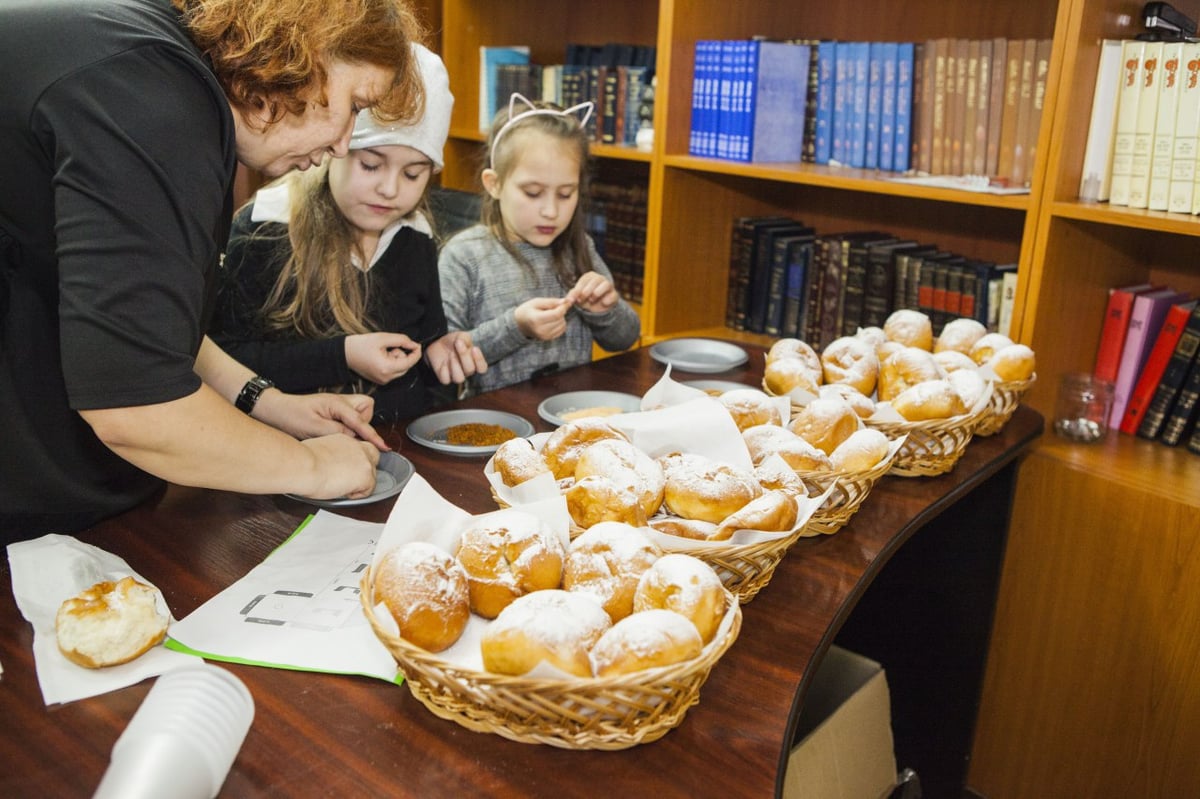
[(569, 252)]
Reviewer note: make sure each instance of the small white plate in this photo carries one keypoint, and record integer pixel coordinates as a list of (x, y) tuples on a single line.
[(430, 430), (391, 475), (552, 408), (703, 355), (719, 386)]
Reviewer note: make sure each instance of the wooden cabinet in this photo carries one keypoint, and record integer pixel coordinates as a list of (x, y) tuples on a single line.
[(1090, 689), (1092, 686)]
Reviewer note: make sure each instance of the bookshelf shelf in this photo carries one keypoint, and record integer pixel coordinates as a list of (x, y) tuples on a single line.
[(1131, 464), (1139, 219)]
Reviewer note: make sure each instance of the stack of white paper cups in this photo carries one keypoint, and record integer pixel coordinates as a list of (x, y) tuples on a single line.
[(183, 739)]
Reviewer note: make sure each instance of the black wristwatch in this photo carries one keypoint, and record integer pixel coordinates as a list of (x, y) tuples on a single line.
[(248, 397)]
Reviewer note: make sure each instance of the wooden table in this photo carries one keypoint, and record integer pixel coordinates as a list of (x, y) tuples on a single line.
[(925, 617)]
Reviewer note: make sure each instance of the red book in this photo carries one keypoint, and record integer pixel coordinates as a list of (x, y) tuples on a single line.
[(1116, 325), (1145, 319), (1156, 363)]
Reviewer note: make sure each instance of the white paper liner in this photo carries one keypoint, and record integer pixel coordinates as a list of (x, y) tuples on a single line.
[(49, 570)]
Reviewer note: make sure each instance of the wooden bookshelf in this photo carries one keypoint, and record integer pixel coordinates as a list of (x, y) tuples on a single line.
[(1093, 524)]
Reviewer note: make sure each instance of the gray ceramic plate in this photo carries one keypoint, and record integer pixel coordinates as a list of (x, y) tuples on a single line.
[(553, 408), (391, 475), (703, 355), (430, 430)]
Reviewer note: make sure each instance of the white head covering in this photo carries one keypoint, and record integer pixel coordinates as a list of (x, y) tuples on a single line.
[(428, 135)]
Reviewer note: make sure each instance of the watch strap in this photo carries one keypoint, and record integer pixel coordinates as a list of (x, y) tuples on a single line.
[(247, 398)]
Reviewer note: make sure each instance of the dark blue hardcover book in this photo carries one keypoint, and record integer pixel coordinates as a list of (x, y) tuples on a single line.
[(902, 148), (826, 64)]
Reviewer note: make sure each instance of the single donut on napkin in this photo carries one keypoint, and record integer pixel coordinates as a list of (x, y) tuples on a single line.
[(110, 623)]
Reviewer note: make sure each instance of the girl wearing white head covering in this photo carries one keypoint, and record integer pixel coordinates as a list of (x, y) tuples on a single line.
[(330, 280)]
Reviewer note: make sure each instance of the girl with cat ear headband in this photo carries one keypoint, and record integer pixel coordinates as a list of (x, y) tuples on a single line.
[(527, 282)]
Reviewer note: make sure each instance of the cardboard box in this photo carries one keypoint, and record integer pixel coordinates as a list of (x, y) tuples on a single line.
[(845, 731)]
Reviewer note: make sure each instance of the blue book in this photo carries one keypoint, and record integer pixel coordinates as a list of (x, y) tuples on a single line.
[(776, 98), (725, 119), (826, 62), (887, 108), (904, 107), (706, 63), (857, 131), (842, 99), (490, 59), (874, 104)]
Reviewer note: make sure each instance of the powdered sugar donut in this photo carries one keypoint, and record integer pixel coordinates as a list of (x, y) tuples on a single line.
[(824, 423), (773, 511), (794, 348), (969, 385), (763, 441), (596, 499), (960, 335), (425, 590), (872, 335), (851, 361), (910, 328), (606, 561), (646, 640), (517, 461), (775, 475), (905, 368), (110, 623), (554, 626), (564, 446), (627, 467), (1013, 363), (987, 346), (951, 361), (788, 374), (507, 554), (706, 490), (862, 404), (932, 399), (686, 585), (861, 452), (750, 407)]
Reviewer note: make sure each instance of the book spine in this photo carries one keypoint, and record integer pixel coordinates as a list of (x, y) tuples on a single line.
[(1018, 175), (826, 64), (1128, 97), (1041, 75), (875, 55), (1156, 363), (880, 287), (853, 290), (1112, 334), (1163, 143), (725, 98), (814, 291), (773, 310), (1009, 111), (970, 107), (858, 105), (1187, 128), (937, 144), (999, 73), (1007, 301), (887, 107), (793, 290), (831, 295), (906, 75), (737, 253), (983, 87), (956, 104), (1172, 378), (1097, 153), (842, 100), (1183, 415), (1143, 137)]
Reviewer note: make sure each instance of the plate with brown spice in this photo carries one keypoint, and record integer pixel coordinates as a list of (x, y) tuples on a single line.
[(468, 431)]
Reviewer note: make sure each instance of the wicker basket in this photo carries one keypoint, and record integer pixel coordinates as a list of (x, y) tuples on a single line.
[(610, 713), (932, 447), (850, 490), (745, 569), (1005, 399)]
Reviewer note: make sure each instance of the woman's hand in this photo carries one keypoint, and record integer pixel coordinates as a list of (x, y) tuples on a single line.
[(543, 318), (454, 358), (381, 357), (313, 415), (594, 293)]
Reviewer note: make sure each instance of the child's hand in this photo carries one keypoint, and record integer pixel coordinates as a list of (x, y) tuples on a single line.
[(593, 293), (381, 357), (454, 358), (543, 318)]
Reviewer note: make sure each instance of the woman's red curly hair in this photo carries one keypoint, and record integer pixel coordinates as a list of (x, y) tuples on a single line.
[(272, 55)]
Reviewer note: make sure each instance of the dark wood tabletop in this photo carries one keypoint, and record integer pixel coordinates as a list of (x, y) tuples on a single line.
[(329, 735)]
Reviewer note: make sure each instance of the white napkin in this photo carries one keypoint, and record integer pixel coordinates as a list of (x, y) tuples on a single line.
[(45, 572)]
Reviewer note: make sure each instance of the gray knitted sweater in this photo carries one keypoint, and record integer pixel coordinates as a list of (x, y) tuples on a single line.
[(481, 287)]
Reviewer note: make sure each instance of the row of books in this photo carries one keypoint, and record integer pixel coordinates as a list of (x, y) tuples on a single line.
[(1150, 350), (949, 106), (1141, 149), (788, 280), (615, 78), (616, 221)]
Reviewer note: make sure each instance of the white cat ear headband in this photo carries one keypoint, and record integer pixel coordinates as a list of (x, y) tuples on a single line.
[(532, 110)]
